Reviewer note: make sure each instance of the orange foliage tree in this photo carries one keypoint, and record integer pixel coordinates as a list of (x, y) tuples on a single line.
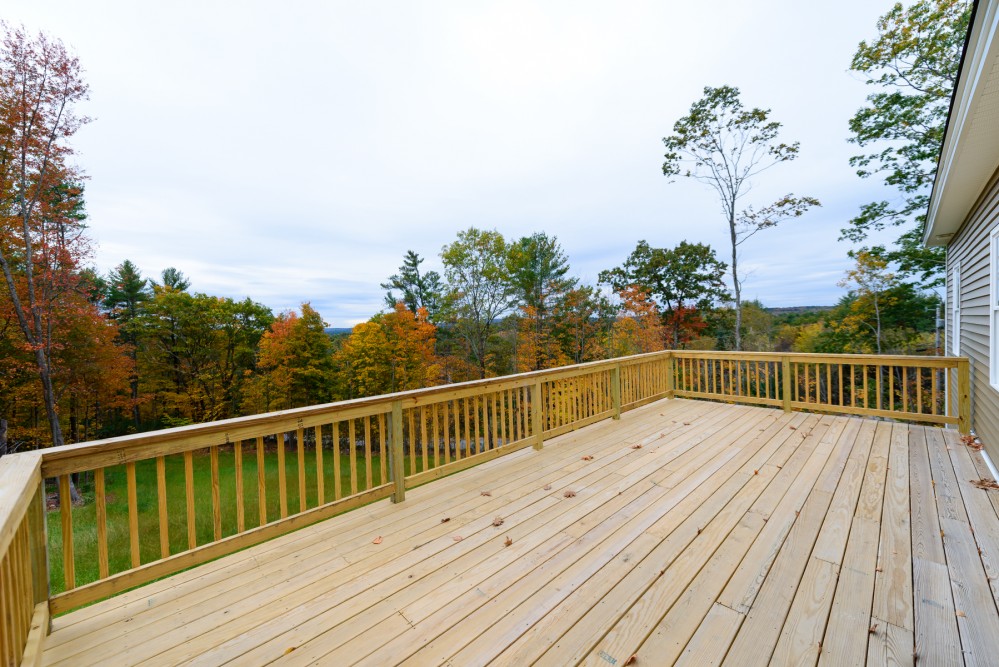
[(390, 352), (639, 327)]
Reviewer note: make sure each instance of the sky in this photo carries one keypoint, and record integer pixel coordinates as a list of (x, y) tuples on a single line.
[(294, 151)]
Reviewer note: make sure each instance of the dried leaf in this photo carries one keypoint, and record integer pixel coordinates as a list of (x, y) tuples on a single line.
[(636, 446), (699, 529), (457, 538), (686, 423), (873, 629), (289, 649), (377, 540), (972, 441), (756, 472), (633, 660), (445, 519), (486, 493), (507, 542), (984, 483), (548, 487), (498, 521), (960, 614), (793, 428), (587, 458), (569, 494)]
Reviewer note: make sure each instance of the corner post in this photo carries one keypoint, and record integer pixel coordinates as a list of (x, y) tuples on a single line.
[(616, 390), (963, 396), (397, 469), (537, 408), (785, 375), (671, 375)]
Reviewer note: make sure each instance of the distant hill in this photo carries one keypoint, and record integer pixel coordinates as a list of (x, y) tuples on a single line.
[(798, 310), (337, 331)]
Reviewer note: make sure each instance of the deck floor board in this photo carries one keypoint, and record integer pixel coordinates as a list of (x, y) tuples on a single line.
[(734, 534)]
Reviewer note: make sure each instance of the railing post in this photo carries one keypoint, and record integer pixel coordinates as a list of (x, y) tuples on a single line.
[(963, 396), (785, 375), (670, 375), (537, 406), (616, 390), (397, 466)]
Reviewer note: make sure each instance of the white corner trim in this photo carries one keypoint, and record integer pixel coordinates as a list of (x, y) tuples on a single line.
[(988, 462)]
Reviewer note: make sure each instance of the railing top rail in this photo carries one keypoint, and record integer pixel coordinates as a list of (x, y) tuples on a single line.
[(201, 435), (20, 475), (870, 359)]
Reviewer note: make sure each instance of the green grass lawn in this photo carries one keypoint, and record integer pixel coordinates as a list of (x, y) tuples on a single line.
[(119, 554)]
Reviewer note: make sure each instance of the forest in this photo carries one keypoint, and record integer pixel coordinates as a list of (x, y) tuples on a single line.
[(86, 355)]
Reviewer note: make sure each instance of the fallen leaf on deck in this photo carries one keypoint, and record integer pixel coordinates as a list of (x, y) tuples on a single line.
[(960, 614), (445, 519), (587, 458), (289, 649), (632, 660), (793, 428), (636, 446), (984, 483), (486, 493), (686, 423), (756, 472), (699, 530), (498, 521), (548, 487), (569, 494), (457, 538), (874, 628), (377, 540), (972, 441), (507, 542)]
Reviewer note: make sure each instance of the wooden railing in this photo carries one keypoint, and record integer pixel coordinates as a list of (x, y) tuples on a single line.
[(210, 489)]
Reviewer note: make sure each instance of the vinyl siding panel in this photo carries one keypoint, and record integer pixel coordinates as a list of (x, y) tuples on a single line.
[(970, 248)]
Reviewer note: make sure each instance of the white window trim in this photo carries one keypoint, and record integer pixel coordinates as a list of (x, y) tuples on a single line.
[(955, 310), (993, 310)]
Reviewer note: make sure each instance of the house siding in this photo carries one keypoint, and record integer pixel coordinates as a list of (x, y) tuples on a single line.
[(970, 248)]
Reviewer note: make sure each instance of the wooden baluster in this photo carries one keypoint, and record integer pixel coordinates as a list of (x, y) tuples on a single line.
[(476, 405), (446, 407), (317, 435), (237, 450), (467, 428), (100, 509), (261, 481), (300, 451), (414, 454), (382, 452), (282, 476), (435, 410), (161, 500), (192, 528), (424, 438), (352, 443), (905, 389), (133, 513), (368, 473), (337, 483), (891, 388), (216, 494), (66, 515)]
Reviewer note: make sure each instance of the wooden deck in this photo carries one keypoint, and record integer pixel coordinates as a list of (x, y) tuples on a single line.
[(697, 533)]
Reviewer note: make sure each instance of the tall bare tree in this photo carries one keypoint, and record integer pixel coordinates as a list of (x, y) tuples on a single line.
[(725, 145)]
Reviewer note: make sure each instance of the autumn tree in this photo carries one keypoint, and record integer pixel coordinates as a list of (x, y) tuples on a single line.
[(912, 65), (583, 320), (638, 328), (872, 282), (479, 292), (40, 214), (681, 281), (294, 363), (389, 353), (724, 145)]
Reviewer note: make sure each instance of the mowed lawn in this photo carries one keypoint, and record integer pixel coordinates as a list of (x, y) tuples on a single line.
[(115, 483)]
